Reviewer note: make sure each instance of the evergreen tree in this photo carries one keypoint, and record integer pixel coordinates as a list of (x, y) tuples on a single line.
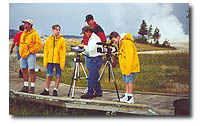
[(149, 33), (143, 29), (156, 36)]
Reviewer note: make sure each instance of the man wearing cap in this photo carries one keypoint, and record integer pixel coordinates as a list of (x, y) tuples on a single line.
[(95, 28), (96, 61), (98, 31), (30, 44)]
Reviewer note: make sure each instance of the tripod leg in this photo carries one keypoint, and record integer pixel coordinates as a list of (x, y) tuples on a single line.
[(109, 73), (72, 81), (78, 71), (103, 71), (84, 70), (75, 78), (114, 81)]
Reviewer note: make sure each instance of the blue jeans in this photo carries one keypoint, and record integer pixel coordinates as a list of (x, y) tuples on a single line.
[(18, 56), (95, 66), (50, 67), (87, 62)]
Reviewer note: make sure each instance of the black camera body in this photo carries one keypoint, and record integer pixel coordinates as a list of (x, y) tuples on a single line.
[(106, 48)]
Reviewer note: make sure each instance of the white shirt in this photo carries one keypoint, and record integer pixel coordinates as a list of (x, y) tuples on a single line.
[(91, 48)]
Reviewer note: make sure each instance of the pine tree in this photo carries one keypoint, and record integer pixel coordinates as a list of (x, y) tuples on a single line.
[(143, 29), (149, 33), (156, 36)]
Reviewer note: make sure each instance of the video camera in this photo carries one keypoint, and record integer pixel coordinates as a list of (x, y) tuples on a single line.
[(77, 49), (106, 48)]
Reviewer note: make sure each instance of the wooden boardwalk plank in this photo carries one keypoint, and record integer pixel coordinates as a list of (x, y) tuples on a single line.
[(145, 104)]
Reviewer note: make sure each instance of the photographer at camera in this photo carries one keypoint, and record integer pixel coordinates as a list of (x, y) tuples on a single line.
[(96, 61), (97, 29), (128, 60)]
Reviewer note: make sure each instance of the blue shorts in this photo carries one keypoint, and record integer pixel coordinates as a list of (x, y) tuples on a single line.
[(18, 56), (129, 79), (29, 62), (50, 67), (87, 62)]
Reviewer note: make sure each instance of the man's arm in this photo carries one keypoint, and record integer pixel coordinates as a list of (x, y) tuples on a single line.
[(99, 31), (13, 44)]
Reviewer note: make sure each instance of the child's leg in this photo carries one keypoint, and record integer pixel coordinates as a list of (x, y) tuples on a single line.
[(49, 75), (127, 87), (58, 75), (57, 82), (130, 88), (48, 81)]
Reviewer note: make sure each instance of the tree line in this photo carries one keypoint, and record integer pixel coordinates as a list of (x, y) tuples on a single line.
[(146, 35)]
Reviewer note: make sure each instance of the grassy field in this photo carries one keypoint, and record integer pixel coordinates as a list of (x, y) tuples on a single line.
[(166, 73)]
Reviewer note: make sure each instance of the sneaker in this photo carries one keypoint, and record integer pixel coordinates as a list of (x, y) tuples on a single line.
[(55, 93), (86, 96), (124, 98), (84, 91), (25, 89), (45, 92), (130, 100), (32, 89)]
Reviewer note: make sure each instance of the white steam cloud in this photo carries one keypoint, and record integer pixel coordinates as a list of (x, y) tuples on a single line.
[(129, 18)]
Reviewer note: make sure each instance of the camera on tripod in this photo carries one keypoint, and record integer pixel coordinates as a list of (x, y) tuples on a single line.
[(106, 48), (77, 49)]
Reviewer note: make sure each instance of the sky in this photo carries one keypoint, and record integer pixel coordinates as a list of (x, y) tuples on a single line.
[(170, 18)]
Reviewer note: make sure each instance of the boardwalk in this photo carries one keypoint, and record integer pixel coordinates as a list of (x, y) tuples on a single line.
[(145, 103)]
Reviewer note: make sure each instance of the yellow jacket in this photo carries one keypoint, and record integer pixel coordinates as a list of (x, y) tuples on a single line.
[(55, 51), (30, 42), (128, 57)]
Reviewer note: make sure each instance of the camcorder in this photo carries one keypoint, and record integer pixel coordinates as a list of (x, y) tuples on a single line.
[(106, 48), (77, 49)]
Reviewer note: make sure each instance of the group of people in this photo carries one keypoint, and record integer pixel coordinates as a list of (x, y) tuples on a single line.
[(29, 43)]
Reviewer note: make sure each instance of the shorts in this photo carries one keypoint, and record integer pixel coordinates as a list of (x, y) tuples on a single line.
[(18, 56), (29, 62), (87, 62), (50, 67), (129, 79)]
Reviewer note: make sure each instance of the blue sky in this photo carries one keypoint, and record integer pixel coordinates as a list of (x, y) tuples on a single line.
[(121, 17)]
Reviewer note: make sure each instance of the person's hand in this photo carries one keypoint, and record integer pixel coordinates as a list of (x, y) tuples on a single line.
[(11, 51), (81, 45)]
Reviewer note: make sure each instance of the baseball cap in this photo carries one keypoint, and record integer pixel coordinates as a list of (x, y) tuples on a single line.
[(29, 21), (85, 29), (88, 17)]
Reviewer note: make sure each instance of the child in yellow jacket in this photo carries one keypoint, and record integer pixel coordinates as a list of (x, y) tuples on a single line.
[(128, 60), (54, 56)]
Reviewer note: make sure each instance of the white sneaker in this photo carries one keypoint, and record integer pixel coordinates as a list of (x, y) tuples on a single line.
[(130, 100), (124, 98), (84, 91)]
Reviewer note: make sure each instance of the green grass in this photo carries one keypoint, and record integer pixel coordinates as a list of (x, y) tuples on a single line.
[(166, 73)]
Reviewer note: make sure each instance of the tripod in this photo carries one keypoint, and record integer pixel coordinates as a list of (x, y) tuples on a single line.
[(108, 62), (76, 74)]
